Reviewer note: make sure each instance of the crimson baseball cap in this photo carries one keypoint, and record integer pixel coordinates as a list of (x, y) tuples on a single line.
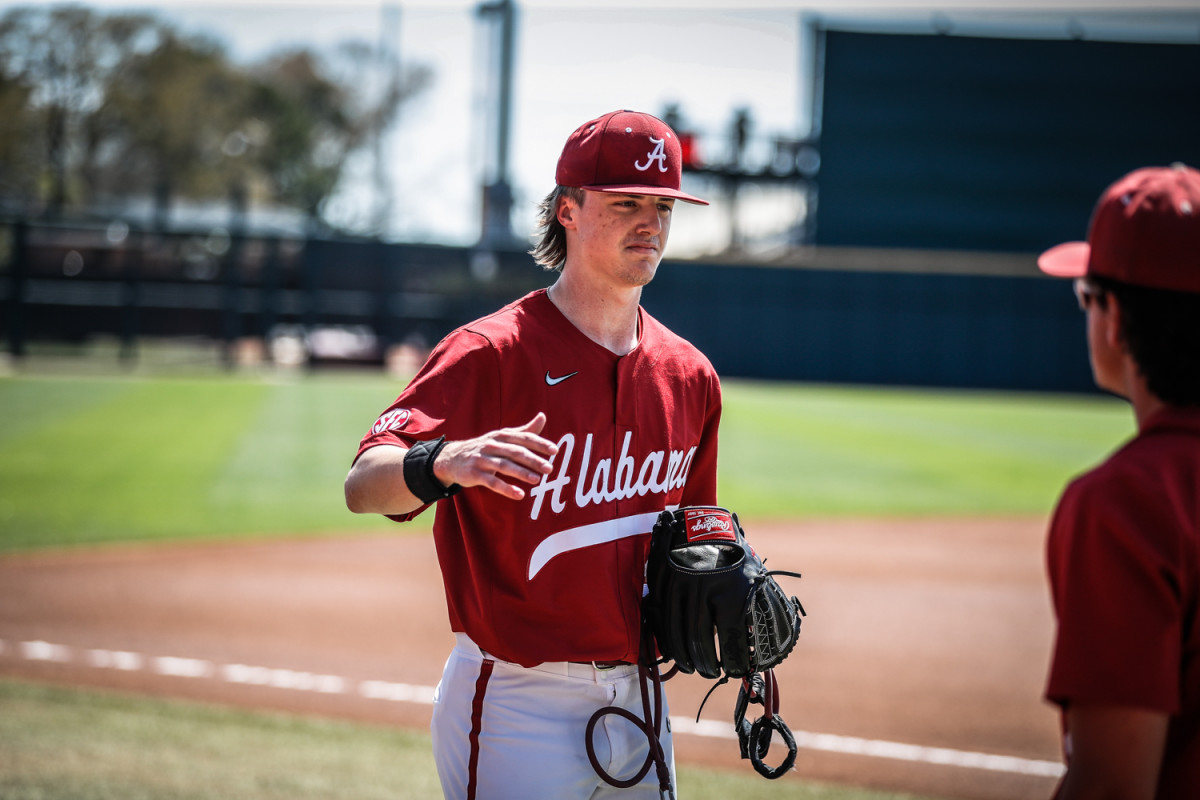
[(624, 152), (1145, 231)]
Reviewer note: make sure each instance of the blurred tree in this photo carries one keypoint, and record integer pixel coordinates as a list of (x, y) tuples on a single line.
[(321, 111), (18, 143), (63, 56), (124, 107), (167, 120), (310, 129)]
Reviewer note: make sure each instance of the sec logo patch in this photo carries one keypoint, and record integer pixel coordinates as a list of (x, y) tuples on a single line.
[(392, 421)]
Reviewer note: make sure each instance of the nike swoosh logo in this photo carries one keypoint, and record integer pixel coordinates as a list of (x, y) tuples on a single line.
[(555, 381)]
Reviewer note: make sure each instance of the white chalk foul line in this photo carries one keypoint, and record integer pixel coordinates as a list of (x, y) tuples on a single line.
[(116, 659), (877, 748), (410, 693), (44, 651), (177, 667)]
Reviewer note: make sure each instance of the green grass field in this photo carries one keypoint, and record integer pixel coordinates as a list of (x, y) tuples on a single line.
[(68, 744), (95, 458), (103, 459)]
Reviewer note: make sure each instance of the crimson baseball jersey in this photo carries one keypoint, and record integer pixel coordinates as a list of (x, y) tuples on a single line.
[(558, 576), (1124, 565)]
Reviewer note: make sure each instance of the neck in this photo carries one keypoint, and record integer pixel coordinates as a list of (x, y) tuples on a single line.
[(1131, 385), (1145, 402), (608, 318)]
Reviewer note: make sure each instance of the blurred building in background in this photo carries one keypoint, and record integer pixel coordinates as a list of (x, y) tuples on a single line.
[(889, 237)]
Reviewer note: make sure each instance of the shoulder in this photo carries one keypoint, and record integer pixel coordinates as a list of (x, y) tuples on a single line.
[(1150, 463), (1139, 497), (1123, 479), (507, 324), (496, 331), (670, 346)]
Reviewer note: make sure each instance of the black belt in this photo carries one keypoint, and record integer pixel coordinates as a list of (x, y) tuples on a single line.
[(605, 664)]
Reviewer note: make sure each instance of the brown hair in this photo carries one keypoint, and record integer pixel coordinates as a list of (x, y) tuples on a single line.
[(1161, 333), (551, 250)]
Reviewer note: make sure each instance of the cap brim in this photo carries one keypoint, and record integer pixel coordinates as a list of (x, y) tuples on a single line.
[(654, 191), (1068, 260)]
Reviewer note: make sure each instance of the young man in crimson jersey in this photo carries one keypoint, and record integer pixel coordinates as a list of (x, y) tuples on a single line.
[(1124, 544), (550, 435)]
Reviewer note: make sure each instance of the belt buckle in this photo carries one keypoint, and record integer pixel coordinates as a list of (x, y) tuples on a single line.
[(603, 668)]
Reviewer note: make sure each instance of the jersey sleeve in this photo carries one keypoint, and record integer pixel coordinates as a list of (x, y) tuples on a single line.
[(1113, 569), (443, 398), (701, 487)]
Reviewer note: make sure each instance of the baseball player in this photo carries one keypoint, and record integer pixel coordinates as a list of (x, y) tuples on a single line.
[(1124, 542), (551, 434)]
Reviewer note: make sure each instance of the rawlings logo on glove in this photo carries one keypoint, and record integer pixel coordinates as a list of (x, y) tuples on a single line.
[(705, 524)]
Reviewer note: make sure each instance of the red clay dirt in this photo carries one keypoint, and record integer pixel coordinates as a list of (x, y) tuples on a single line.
[(934, 633)]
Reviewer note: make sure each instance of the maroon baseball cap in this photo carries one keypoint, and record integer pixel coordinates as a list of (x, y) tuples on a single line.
[(1145, 231), (624, 152)]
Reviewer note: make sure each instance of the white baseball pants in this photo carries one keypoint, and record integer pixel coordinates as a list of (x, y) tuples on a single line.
[(501, 730)]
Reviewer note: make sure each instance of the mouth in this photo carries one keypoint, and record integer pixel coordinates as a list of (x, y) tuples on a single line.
[(642, 247)]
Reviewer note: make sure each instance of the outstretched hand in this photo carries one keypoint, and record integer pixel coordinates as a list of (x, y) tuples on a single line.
[(493, 459)]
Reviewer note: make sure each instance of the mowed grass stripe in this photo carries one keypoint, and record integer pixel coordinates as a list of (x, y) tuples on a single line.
[(120, 459), (790, 450), (128, 459), (29, 404), (285, 470), (125, 459)]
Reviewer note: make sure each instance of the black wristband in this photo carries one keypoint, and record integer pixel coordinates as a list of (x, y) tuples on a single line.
[(418, 472)]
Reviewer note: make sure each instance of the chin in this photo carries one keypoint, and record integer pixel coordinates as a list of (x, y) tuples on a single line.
[(640, 277)]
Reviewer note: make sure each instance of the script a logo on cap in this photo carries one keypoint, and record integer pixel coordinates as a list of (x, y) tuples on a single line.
[(709, 525), (659, 154)]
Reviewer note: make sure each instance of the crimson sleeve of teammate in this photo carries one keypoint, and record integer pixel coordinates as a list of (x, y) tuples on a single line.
[(707, 587)]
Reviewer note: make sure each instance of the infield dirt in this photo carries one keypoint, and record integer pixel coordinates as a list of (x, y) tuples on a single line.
[(927, 632)]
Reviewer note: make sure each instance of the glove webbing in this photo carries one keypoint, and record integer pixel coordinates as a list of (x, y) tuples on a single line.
[(650, 724), (760, 640)]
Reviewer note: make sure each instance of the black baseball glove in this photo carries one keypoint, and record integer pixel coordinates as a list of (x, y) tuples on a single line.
[(706, 583)]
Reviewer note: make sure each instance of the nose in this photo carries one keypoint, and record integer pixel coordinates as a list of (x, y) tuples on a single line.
[(650, 220)]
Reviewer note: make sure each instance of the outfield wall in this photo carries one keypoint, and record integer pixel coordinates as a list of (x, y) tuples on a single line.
[(842, 316), (878, 326)]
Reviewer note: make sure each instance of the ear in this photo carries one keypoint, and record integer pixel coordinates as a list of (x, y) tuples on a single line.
[(1114, 324), (565, 213)]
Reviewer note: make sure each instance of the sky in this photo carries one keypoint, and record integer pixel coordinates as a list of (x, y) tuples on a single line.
[(576, 60)]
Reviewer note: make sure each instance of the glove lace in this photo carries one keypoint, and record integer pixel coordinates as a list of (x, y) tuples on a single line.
[(755, 739), (650, 723)]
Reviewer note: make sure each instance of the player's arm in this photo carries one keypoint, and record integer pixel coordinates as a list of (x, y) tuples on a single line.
[(1115, 752), (376, 485)]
